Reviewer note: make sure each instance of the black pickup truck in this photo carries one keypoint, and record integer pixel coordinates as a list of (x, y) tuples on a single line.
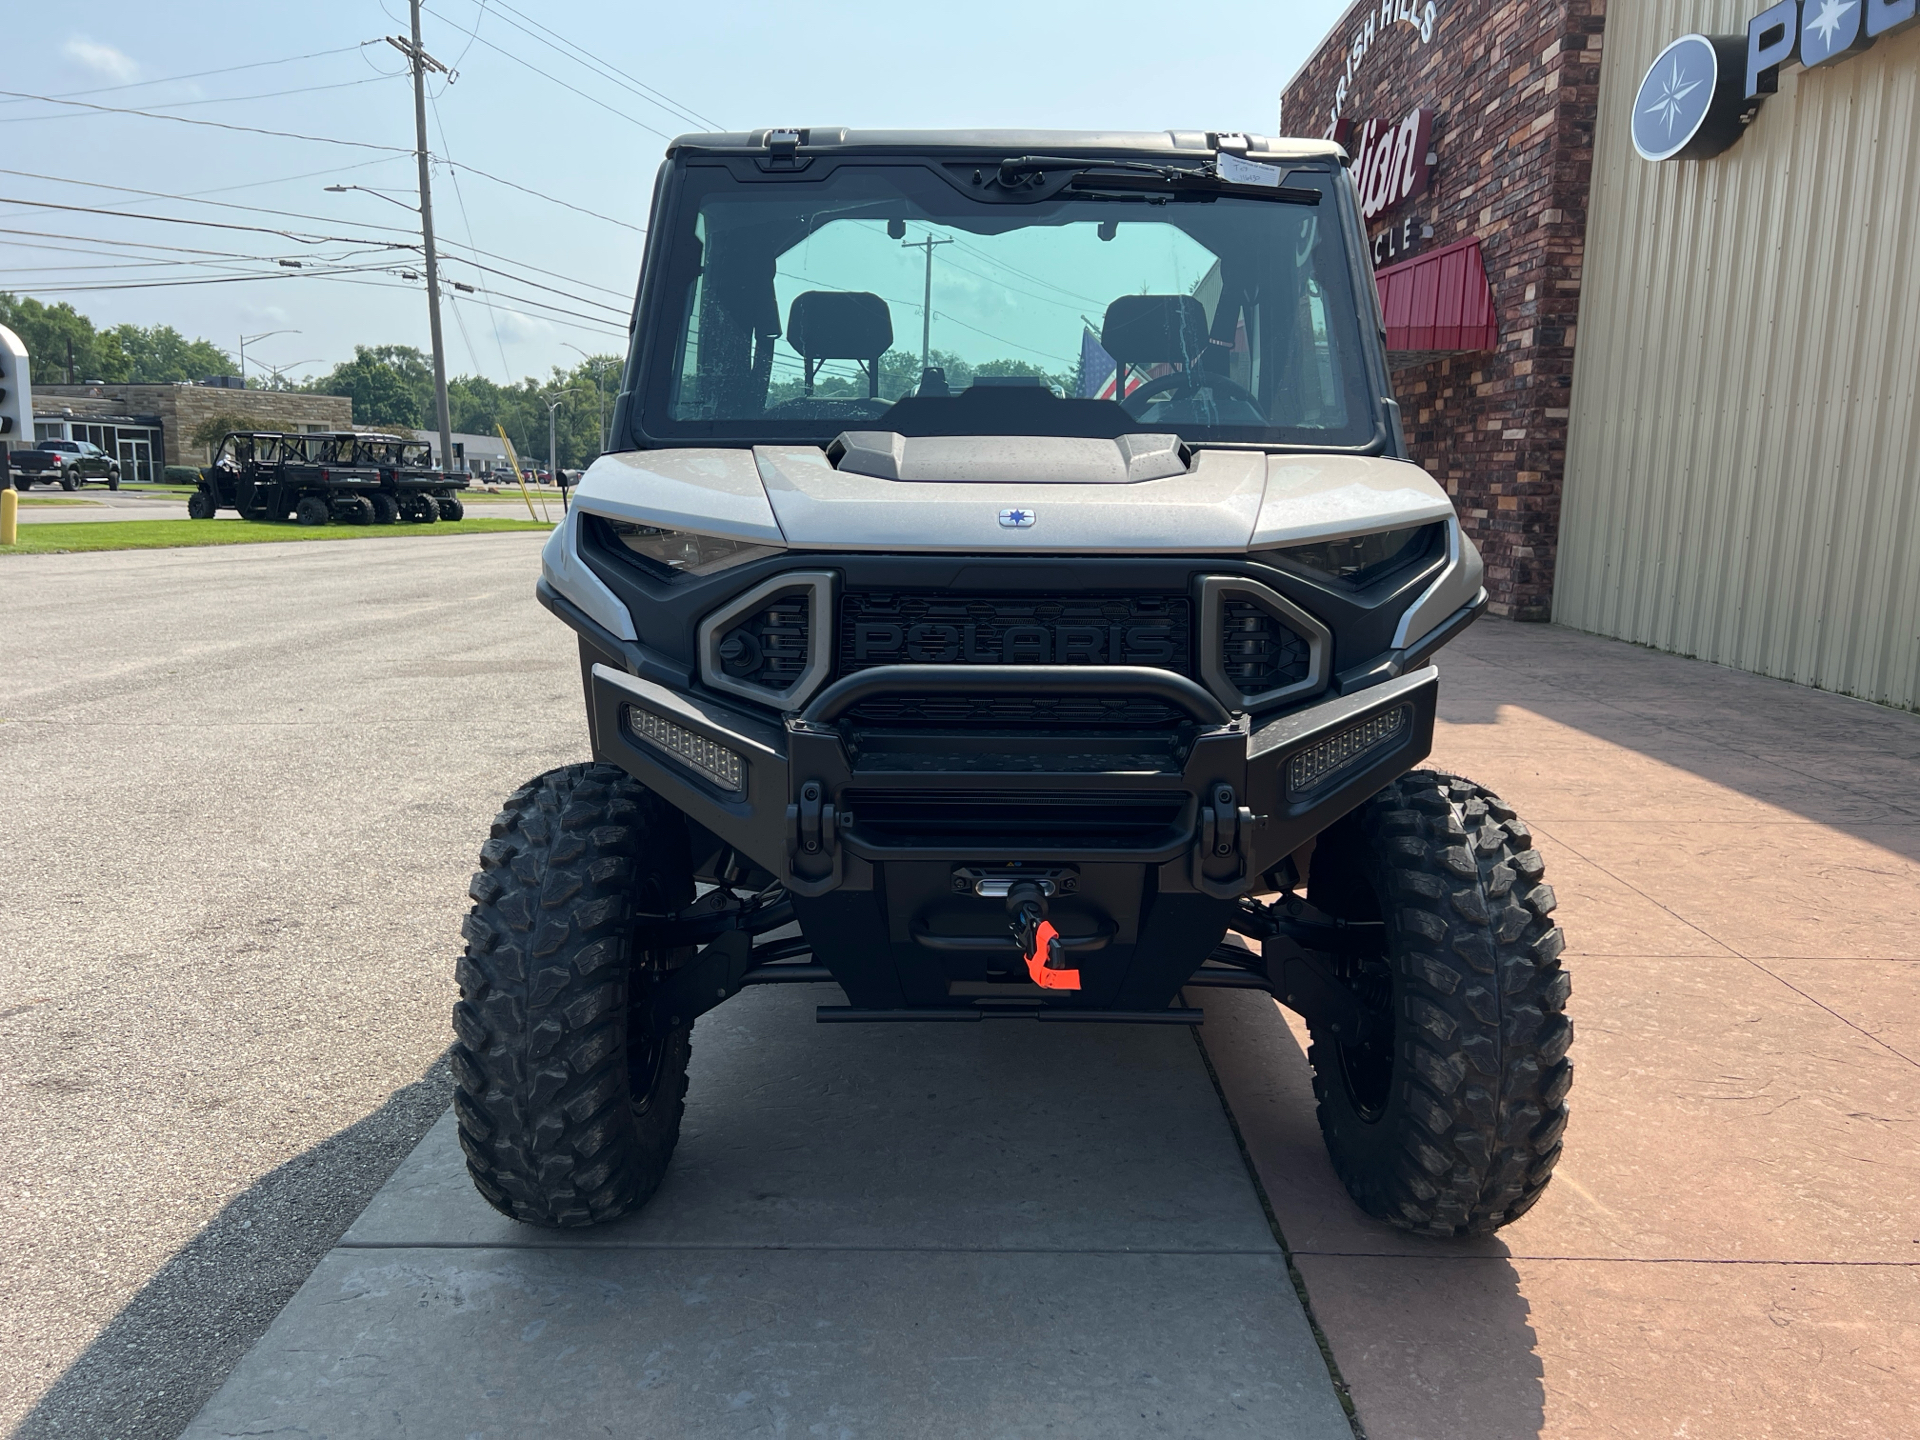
[(70, 463)]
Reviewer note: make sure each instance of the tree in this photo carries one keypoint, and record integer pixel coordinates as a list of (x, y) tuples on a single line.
[(47, 331), (126, 354), (389, 384), (208, 432), (161, 355)]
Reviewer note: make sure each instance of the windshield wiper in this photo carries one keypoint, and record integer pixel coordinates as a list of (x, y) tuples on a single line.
[(1135, 176)]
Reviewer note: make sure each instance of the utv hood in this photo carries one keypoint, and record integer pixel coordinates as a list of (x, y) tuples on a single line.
[(993, 494)]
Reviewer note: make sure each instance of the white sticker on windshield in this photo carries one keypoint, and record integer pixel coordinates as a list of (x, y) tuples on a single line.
[(1236, 171)]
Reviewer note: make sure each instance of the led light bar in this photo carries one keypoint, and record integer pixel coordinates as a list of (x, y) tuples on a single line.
[(1324, 759), (706, 758)]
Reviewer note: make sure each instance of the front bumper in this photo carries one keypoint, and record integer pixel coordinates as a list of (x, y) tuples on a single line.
[(819, 803)]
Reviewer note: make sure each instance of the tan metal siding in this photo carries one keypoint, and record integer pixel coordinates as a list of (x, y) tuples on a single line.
[(1742, 482)]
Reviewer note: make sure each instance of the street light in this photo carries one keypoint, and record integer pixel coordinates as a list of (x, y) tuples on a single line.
[(598, 369), (343, 189), (276, 371), (553, 444), (246, 340)]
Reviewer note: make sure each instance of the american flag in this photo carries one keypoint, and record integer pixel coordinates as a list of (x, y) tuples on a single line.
[(1097, 368)]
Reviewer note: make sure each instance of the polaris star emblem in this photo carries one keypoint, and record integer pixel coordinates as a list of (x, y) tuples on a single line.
[(1016, 519)]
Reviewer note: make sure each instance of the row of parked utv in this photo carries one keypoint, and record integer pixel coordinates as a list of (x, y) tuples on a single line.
[(343, 476)]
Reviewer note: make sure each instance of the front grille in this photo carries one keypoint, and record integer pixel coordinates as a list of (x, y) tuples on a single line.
[(1015, 712), (768, 646), (1257, 650), (905, 627), (1015, 820)]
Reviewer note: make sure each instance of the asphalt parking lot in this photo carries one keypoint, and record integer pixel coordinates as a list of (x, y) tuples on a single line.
[(249, 786), (251, 780)]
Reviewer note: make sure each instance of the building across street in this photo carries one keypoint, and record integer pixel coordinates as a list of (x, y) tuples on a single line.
[(1652, 322), (146, 427), (475, 454)]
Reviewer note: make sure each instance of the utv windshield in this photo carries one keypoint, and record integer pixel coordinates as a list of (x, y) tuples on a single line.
[(883, 296)]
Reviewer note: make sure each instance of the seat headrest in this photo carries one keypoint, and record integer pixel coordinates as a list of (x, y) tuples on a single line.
[(1155, 330), (839, 325)]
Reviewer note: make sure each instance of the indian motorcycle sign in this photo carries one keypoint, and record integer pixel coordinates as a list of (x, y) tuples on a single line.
[(1393, 161)]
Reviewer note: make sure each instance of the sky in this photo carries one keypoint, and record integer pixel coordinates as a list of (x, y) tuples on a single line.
[(551, 173)]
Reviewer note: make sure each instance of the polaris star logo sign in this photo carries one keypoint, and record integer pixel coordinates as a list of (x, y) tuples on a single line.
[(1702, 91), (1692, 104), (1017, 519)]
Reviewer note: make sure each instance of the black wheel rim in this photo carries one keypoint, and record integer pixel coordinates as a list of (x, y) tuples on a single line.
[(646, 1051), (1366, 1071)]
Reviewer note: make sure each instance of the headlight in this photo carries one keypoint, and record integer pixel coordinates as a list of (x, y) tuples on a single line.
[(683, 550), (1360, 559)]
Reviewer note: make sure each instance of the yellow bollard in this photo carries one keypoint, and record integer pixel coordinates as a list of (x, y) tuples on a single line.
[(9, 516)]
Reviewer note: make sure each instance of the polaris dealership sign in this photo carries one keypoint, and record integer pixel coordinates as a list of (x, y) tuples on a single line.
[(1702, 91)]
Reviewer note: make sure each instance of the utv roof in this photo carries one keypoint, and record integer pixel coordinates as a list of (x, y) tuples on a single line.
[(823, 139)]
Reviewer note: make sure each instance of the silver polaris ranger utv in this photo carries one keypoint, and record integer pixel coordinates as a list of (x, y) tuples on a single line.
[(1007, 597)]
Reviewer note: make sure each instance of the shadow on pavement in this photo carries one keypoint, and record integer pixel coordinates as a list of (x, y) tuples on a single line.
[(157, 1362), (1433, 1338), (1848, 764)]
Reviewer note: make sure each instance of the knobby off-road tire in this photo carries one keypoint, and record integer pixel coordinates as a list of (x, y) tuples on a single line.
[(1459, 1134), (568, 1110), (385, 511), (312, 510), (451, 508), (200, 505)]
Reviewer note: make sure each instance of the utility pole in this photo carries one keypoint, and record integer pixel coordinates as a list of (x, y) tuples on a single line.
[(421, 63), (926, 304)]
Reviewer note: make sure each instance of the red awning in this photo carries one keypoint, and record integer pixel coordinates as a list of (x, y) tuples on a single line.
[(1438, 304)]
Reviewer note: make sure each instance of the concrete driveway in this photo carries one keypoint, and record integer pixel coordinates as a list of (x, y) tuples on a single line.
[(253, 781)]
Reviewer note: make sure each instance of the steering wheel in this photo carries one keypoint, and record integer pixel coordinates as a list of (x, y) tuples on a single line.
[(1185, 383)]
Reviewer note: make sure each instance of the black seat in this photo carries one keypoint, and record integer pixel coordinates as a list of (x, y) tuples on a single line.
[(840, 325), (1155, 330)]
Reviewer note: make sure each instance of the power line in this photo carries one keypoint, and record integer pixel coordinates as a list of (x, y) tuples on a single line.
[(597, 326), (302, 215), (235, 99), (555, 79), (149, 244), (208, 124), (230, 279), (202, 74), (294, 236), (461, 59), (577, 54), (506, 370), (473, 170), (619, 310)]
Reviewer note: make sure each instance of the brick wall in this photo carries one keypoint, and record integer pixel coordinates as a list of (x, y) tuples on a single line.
[(1514, 87), (182, 408)]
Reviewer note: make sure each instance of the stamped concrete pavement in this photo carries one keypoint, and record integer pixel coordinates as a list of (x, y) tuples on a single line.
[(1730, 1249)]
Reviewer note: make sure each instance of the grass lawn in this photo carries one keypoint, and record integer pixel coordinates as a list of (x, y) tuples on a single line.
[(54, 500), (169, 534)]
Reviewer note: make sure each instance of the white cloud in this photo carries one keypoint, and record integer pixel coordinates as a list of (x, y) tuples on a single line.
[(103, 60), (518, 329)]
